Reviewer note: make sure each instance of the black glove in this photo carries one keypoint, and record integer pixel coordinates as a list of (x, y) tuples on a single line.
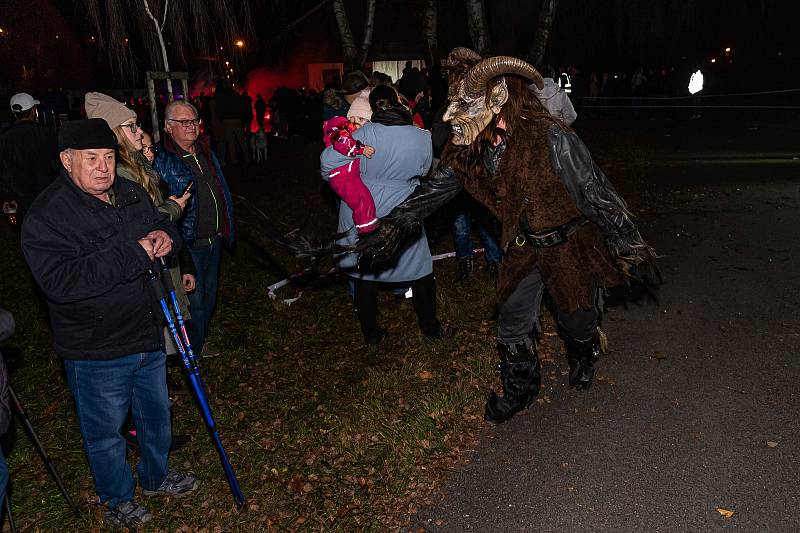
[(379, 246), (304, 247)]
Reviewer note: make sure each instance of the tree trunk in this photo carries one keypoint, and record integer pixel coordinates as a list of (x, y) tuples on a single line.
[(430, 23), (368, 26), (544, 26), (620, 28), (160, 33), (346, 35), (476, 18)]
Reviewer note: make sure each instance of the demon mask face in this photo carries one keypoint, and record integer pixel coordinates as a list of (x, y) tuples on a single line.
[(473, 103)]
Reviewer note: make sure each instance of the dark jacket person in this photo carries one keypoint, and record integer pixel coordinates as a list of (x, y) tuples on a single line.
[(88, 239), (28, 155)]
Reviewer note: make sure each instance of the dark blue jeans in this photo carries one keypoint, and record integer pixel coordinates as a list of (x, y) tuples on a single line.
[(104, 391), (462, 239), (3, 476), (204, 297)]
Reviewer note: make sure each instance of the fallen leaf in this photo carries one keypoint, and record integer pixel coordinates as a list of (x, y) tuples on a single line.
[(772, 443), (659, 355), (725, 512), (425, 375)]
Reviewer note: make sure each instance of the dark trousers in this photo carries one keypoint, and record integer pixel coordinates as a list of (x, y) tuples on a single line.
[(206, 256), (520, 314), (424, 290)]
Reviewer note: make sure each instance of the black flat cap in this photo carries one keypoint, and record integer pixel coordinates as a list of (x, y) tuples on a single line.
[(86, 134)]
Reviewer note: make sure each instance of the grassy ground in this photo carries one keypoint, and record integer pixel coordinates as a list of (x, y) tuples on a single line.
[(324, 434)]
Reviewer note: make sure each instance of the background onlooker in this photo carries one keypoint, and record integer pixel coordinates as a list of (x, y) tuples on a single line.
[(229, 107), (554, 98), (356, 89), (28, 156)]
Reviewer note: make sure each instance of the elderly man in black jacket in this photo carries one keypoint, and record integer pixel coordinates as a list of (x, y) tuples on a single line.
[(89, 239)]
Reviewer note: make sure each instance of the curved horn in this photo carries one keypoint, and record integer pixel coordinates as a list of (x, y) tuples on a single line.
[(478, 76), (462, 54)]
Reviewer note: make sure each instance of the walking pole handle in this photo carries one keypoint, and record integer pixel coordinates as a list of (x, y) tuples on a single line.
[(152, 277), (166, 280)]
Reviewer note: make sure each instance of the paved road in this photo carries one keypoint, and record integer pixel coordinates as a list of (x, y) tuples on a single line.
[(694, 409)]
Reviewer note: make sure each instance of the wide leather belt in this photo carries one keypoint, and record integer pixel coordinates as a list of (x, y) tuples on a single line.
[(550, 237)]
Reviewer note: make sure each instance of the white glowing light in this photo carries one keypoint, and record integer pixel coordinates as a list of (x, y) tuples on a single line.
[(696, 82)]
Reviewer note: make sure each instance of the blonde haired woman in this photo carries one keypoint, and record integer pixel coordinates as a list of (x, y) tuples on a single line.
[(134, 166)]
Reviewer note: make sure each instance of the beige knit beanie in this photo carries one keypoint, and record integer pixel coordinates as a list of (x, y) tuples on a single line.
[(99, 105), (360, 107)]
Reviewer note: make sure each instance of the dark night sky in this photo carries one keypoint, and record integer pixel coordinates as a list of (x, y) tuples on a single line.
[(596, 34)]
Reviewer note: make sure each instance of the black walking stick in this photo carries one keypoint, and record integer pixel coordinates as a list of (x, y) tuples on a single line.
[(23, 418), (9, 514), (190, 363)]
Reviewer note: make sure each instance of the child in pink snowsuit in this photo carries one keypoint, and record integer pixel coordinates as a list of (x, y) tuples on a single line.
[(346, 179)]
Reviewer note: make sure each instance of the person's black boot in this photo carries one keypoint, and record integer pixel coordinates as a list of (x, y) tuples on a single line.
[(582, 355), (464, 268), (521, 378), (376, 337), (493, 269)]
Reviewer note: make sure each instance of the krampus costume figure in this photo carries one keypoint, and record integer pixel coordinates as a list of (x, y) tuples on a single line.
[(565, 229)]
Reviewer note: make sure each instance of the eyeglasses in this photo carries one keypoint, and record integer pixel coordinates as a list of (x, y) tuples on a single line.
[(133, 127), (187, 123), (149, 148)]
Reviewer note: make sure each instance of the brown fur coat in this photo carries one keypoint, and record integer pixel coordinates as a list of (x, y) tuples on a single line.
[(526, 181)]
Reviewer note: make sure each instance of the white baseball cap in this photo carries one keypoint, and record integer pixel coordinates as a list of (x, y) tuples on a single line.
[(22, 102)]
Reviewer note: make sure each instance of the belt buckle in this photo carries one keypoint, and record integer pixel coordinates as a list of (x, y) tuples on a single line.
[(549, 239)]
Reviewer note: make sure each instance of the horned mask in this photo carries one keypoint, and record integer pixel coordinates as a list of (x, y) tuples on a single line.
[(473, 103)]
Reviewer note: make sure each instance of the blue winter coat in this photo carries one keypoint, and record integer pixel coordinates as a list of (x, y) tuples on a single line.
[(401, 153), (177, 174)]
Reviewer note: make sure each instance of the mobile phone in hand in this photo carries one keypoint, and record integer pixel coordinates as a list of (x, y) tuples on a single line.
[(186, 189)]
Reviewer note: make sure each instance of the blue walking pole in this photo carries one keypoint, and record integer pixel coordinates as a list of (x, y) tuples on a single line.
[(184, 348)]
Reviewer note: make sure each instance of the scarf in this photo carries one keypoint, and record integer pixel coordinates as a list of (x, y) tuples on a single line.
[(392, 117)]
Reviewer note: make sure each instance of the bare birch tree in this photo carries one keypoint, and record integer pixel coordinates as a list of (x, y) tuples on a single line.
[(544, 26), (345, 34), (368, 26), (192, 26), (430, 23), (160, 33), (354, 60), (478, 28)]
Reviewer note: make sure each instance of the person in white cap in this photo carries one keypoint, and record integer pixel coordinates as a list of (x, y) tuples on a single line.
[(28, 157)]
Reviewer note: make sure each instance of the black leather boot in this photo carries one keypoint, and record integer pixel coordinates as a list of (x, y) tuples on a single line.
[(521, 377), (464, 268), (582, 356)]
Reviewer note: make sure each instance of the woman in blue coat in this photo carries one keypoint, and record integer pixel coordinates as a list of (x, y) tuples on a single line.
[(402, 155)]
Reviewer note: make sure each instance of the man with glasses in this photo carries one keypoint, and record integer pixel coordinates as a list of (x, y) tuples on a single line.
[(185, 157)]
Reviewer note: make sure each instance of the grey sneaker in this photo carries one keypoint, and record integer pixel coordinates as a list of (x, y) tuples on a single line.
[(209, 350), (176, 484), (129, 514)]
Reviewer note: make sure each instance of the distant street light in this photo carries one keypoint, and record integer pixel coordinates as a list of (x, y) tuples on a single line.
[(239, 43), (728, 50), (713, 59)]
